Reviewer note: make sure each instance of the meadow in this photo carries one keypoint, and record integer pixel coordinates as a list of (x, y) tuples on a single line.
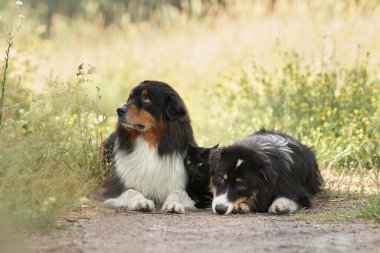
[(305, 68)]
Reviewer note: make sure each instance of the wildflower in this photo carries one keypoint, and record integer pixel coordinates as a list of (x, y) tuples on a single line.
[(83, 200), (52, 199), (19, 3), (21, 111), (21, 16)]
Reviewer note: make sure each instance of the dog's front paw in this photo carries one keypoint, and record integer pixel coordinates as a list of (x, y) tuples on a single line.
[(173, 207), (283, 206), (241, 208), (115, 202), (141, 204)]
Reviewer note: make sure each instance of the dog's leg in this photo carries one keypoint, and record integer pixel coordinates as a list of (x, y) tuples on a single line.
[(241, 208), (132, 200), (283, 205), (177, 202)]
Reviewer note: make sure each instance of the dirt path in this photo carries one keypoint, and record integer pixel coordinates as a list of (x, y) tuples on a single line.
[(98, 229)]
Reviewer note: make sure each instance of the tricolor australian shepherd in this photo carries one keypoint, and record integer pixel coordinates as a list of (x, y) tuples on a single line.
[(147, 150), (266, 171)]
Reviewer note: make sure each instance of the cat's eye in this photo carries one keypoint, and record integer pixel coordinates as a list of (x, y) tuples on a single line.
[(188, 161), (200, 164)]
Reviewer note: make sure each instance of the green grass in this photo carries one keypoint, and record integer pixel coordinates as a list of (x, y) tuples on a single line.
[(50, 155), (50, 138), (372, 208)]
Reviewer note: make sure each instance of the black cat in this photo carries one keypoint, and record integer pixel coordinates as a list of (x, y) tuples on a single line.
[(196, 164)]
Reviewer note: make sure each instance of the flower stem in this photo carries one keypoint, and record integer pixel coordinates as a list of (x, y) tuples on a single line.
[(5, 73)]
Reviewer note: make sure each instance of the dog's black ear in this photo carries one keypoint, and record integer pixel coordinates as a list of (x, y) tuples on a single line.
[(174, 108), (269, 174)]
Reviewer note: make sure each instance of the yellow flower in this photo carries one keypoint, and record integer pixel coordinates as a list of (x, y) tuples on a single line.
[(52, 199), (83, 200)]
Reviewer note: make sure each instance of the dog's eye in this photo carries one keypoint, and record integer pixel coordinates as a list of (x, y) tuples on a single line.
[(146, 100), (240, 187), (188, 161), (200, 164)]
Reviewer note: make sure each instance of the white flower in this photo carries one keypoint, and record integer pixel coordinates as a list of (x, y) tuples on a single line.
[(21, 111), (21, 16), (19, 3)]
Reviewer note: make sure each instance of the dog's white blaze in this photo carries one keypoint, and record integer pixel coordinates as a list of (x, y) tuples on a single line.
[(222, 200), (239, 162), (153, 175), (282, 204)]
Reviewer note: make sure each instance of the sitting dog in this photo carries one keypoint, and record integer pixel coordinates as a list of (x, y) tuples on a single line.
[(266, 171), (147, 150)]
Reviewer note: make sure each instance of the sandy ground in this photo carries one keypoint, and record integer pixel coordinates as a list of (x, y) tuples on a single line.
[(95, 228)]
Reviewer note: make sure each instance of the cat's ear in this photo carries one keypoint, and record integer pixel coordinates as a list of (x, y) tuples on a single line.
[(215, 147), (191, 144), (206, 151)]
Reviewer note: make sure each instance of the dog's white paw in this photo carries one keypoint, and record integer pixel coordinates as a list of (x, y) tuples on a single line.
[(141, 204), (116, 202), (173, 207), (283, 206), (241, 208)]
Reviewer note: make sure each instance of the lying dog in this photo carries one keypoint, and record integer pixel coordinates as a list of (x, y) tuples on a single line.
[(147, 150), (266, 171)]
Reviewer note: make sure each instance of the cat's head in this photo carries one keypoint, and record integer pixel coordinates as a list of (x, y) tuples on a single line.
[(196, 161)]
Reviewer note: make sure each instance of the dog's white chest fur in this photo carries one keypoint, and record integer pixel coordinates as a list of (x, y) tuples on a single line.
[(146, 171)]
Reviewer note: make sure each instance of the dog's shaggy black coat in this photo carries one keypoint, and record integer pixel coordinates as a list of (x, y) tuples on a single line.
[(263, 167), (155, 104)]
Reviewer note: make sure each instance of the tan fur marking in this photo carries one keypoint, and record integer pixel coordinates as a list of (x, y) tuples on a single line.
[(212, 189), (240, 200), (153, 135), (238, 180), (145, 93), (251, 201), (153, 128), (225, 176)]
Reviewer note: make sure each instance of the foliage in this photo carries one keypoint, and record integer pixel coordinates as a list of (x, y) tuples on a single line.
[(372, 208), (50, 154), (334, 110), (50, 139)]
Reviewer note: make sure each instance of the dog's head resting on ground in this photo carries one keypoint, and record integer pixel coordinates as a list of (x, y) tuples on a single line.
[(237, 174)]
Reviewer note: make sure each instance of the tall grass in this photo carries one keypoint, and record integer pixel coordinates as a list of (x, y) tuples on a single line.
[(50, 154), (319, 87)]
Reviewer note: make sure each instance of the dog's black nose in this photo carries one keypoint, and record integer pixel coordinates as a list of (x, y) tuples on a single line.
[(121, 111), (221, 209)]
